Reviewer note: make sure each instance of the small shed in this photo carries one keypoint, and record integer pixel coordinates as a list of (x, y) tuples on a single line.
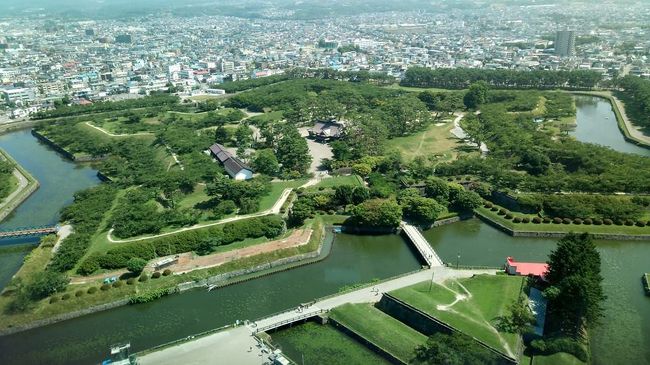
[(327, 130), (535, 269)]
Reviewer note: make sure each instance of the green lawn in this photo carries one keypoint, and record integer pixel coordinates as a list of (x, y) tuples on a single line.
[(197, 196), (472, 305), (551, 227), (277, 188), (379, 328), (339, 180), (323, 344), (561, 358), (274, 116), (436, 140)]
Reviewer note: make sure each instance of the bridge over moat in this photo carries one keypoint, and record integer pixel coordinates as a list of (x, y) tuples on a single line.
[(29, 231), (421, 244)]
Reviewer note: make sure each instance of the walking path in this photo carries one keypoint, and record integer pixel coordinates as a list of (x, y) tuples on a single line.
[(274, 210), (22, 184), (422, 245), (239, 346), (460, 134), (118, 135), (22, 191)]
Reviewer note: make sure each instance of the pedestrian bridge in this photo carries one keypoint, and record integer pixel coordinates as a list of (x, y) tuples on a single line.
[(421, 244), (33, 231)]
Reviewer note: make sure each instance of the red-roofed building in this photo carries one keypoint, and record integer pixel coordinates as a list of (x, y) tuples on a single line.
[(538, 269)]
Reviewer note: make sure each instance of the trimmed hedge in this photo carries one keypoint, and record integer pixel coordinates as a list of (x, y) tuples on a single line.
[(502, 212), (155, 275), (79, 293), (65, 296), (607, 222), (537, 220), (587, 221), (516, 220), (54, 299), (130, 281), (525, 220), (92, 290), (566, 221), (557, 220), (118, 284), (143, 278), (640, 223), (546, 220), (577, 221), (105, 287), (509, 216), (167, 272)]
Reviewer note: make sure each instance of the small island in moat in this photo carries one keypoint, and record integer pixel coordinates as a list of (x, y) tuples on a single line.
[(174, 213)]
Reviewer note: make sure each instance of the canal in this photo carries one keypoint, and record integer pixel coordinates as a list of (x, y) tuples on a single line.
[(596, 123), (59, 179), (624, 335), (85, 340)]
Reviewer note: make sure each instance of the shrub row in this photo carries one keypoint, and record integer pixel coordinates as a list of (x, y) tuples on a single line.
[(269, 226), (577, 221), (150, 295), (552, 346)]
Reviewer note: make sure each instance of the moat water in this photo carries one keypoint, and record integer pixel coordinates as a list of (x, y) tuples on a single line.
[(621, 339)]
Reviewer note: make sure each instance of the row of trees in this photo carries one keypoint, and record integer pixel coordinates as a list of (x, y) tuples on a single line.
[(636, 95), (6, 172), (155, 100), (461, 78)]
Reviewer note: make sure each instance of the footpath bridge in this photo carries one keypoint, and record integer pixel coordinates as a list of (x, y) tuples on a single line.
[(239, 345), (33, 231), (422, 245)]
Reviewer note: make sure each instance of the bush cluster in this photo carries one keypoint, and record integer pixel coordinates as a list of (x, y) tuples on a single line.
[(92, 290), (202, 241), (552, 346), (155, 275), (167, 272), (105, 287)]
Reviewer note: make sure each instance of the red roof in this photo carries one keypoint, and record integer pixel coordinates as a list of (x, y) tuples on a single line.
[(528, 268)]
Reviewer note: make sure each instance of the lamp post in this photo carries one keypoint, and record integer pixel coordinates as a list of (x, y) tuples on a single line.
[(431, 283), (457, 260)]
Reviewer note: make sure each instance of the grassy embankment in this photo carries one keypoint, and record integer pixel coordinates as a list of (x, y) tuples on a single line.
[(473, 306), (323, 344), (436, 141), (493, 216), (44, 309), (379, 328)]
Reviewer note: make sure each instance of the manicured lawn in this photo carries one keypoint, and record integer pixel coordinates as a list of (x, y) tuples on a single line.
[(561, 358), (436, 140), (323, 344), (551, 227), (339, 180), (197, 196), (472, 305), (379, 328), (277, 188), (273, 116)]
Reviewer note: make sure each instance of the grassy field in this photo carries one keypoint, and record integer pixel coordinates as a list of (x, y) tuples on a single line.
[(551, 227), (277, 188), (472, 305), (379, 328), (323, 344), (561, 358), (339, 180), (436, 140)]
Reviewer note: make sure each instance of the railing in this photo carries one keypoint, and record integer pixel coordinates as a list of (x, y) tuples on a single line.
[(28, 231), (415, 236), (290, 320)]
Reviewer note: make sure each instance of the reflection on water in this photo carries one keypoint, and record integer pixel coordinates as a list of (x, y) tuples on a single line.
[(596, 123)]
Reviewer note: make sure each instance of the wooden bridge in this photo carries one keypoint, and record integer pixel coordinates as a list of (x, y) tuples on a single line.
[(31, 231)]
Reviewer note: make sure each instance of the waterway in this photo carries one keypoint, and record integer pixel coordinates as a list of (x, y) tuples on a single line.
[(85, 340), (624, 335), (59, 179), (596, 123)]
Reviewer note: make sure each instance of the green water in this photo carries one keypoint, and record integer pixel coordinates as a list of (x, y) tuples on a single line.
[(624, 336), (85, 340), (59, 179), (596, 123)]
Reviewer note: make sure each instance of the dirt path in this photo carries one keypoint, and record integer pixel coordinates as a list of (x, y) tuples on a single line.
[(189, 262), (274, 210), (117, 135)]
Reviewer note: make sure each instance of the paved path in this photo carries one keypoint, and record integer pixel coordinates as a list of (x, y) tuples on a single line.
[(22, 184), (233, 346), (62, 234), (274, 210), (319, 151), (422, 245), (460, 134)]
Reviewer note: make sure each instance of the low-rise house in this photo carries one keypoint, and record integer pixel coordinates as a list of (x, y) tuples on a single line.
[(233, 166)]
